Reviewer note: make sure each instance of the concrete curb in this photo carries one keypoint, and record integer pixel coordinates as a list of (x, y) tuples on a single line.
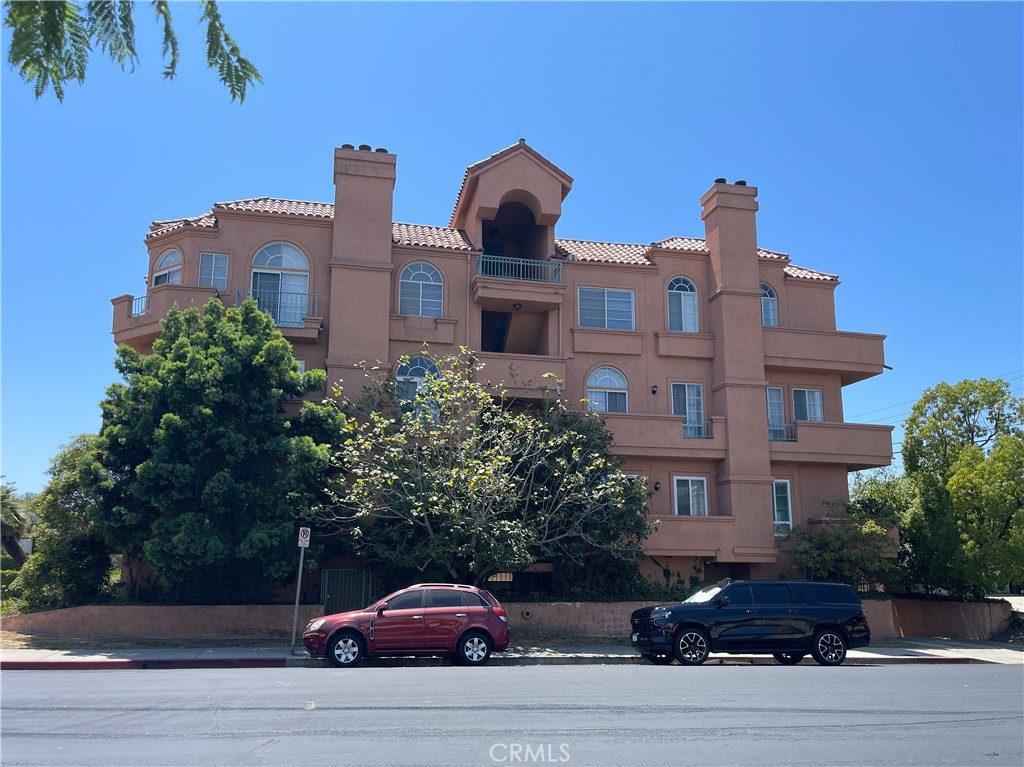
[(298, 661)]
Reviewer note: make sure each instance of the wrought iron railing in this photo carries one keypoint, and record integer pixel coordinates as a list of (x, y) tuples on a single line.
[(287, 309), (782, 432), (526, 269), (140, 306), (697, 430)]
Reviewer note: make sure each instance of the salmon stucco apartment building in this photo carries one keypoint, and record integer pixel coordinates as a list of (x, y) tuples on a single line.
[(716, 363)]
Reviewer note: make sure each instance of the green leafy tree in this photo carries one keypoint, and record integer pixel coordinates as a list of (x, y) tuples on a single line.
[(14, 522), (855, 547), (196, 469), (51, 41), (949, 439), (460, 482), (70, 562)]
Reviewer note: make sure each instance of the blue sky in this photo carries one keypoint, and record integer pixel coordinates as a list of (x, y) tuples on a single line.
[(885, 139)]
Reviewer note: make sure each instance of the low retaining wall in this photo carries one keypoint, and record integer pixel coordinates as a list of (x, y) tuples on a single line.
[(166, 622), (528, 620)]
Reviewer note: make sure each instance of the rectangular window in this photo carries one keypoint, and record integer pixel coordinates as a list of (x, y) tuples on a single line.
[(170, 277), (607, 401), (776, 414), (807, 405), (302, 365), (213, 270), (691, 497), (688, 401), (606, 308), (769, 312), (782, 507)]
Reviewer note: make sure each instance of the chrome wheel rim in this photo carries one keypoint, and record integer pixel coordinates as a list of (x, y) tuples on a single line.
[(830, 647), (346, 650), (692, 646), (475, 649)]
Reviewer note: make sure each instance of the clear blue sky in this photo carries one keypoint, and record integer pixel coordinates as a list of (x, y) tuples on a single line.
[(885, 139)]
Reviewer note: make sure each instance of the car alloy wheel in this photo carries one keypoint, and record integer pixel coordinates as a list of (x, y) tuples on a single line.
[(474, 649), (829, 648), (691, 648), (345, 651)]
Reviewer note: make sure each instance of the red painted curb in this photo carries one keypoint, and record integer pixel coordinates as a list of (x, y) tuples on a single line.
[(97, 665)]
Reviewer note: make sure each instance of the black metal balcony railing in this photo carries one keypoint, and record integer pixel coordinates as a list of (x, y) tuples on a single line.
[(287, 309), (140, 306), (525, 269), (782, 432), (697, 430)]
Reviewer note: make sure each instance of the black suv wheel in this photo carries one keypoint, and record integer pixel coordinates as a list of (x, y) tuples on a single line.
[(828, 647), (691, 646)]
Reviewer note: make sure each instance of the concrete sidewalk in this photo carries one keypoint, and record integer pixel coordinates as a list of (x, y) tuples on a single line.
[(909, 650)]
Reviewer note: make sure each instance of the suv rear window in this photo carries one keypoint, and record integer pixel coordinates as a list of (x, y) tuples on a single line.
[(770, 593), (833, 594)]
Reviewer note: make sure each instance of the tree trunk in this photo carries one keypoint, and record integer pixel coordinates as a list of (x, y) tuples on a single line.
[(13, 547)]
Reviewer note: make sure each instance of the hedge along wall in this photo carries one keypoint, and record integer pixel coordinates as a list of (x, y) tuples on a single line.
[(528, 620)]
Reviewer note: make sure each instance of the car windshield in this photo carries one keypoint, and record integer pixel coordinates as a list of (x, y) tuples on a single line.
[(706, 594)]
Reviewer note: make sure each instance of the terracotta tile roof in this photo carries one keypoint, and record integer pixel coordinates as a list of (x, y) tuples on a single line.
[(204, 221), (604, 252), (682, 243), (430, 236), (276, 205), (800, 273)]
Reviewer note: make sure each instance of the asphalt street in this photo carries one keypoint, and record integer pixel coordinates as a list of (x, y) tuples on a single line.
[(573, 715)]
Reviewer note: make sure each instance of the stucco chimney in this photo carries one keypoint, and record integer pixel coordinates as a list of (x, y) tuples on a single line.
[(364, 186), (729, 211)]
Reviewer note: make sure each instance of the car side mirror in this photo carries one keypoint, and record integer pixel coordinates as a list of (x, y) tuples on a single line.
[(722, 601), (381, 608)]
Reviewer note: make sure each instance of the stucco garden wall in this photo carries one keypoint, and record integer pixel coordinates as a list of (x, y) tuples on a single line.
[(528, 620)]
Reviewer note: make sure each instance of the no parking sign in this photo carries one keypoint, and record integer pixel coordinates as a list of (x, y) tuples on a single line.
[(304, 537)]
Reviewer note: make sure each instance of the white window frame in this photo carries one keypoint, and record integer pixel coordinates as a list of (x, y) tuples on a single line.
[(691, 484), (602, 382), (411, 288), (769, 306), (168, 266), (812, 406), (290, 265), (302, 366), (217, 276), (606, 296), (693, 408), (683, 291), (782, 526)]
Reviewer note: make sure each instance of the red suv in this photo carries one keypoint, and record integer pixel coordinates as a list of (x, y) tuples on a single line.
[(425, 619)]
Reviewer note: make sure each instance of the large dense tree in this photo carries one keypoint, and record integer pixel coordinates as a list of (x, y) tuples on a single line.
[(14, 521), (52, 40), (70, 561), (458, 481), (962, 452), (197, 473)]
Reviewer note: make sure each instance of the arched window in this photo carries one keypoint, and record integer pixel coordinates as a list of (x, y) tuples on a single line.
[(682, 306), (411, 375), (167, 270), (280, 282), (420, 291), (607, 391), (769, 306)]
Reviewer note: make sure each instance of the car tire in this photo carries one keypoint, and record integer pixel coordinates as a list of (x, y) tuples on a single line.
[(660, 659), (788, 658), (691, 646), (828, 647), (346, 649), (474, 649)]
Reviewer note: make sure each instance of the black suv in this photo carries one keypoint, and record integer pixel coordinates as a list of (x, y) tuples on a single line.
[(787, 619)]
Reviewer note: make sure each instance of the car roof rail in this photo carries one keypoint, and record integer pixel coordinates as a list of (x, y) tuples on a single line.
[(448, 585)]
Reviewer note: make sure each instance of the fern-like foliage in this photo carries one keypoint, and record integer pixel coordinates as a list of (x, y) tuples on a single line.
[(51, 42)]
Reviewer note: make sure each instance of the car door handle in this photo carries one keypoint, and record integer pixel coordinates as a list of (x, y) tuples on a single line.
[(417, 617), (460, 615)]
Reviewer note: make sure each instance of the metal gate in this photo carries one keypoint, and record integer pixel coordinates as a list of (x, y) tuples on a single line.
[(343, 590)]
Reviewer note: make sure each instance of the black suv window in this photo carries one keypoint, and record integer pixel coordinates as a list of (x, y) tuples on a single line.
[(410, 600), (834, 594), (739, 595), (770, 593)]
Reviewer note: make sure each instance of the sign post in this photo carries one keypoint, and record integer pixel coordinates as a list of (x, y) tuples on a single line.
[(303, 545)]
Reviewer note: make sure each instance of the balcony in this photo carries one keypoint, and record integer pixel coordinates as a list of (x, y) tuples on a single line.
[(715, 538), (501, 282), (528, 269), (665, 436), (137, 318), (855, 356), (523, 375), (781, 432), (853, 445), (297, 314)]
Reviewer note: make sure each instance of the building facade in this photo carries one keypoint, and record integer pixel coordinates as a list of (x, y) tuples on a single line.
[(716, 363)]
